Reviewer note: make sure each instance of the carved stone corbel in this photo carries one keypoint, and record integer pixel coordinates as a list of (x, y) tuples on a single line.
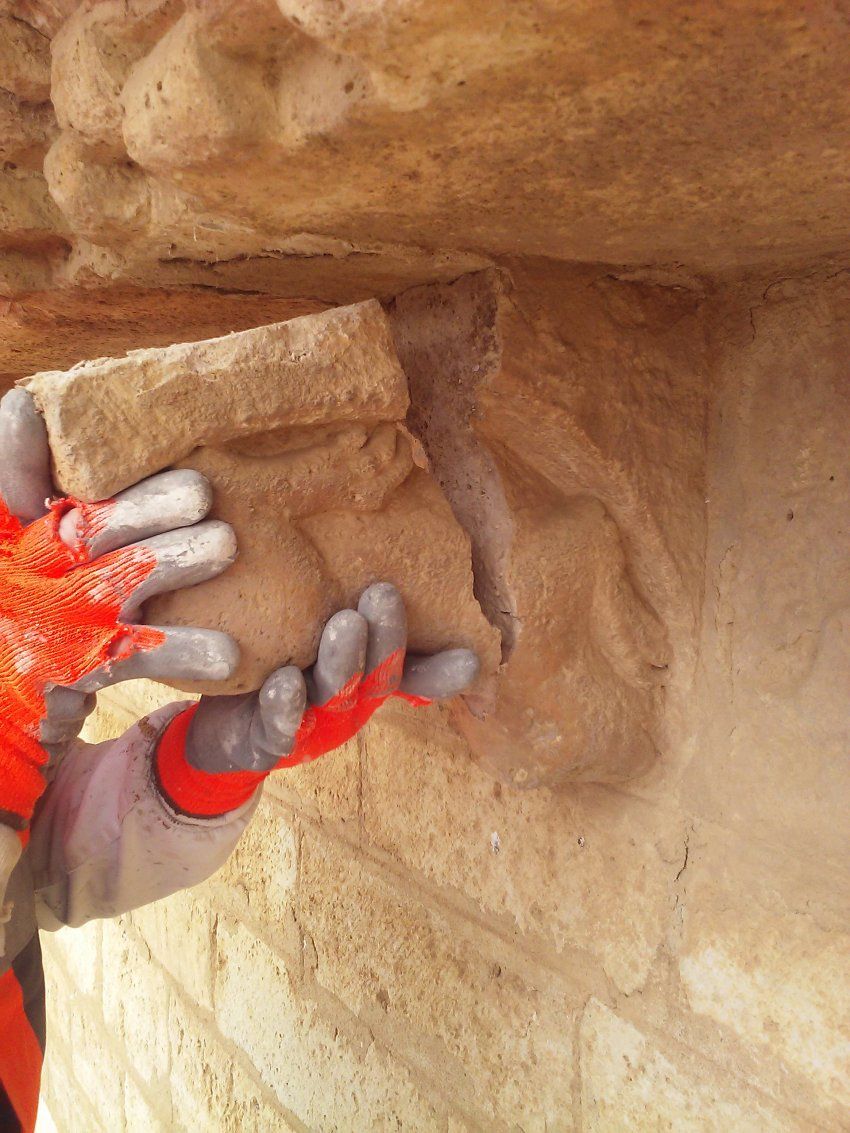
[(580, 484)]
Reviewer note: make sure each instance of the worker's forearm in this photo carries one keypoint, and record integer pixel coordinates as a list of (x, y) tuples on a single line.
[(105, 841)]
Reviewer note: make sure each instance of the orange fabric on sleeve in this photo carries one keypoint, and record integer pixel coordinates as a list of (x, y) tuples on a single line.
[(20, 1053)]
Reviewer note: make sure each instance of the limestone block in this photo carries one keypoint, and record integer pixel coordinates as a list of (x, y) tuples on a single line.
[(297, 426), (24, 60), (405, 971), (25, 131), (770, 968), (211, 1090), (180, 917), (557, 865), (774, 732), (497, 130), (318, 1071), (114, 421), (259, 879), (629, 1085), (581, 486), (135, 1001)]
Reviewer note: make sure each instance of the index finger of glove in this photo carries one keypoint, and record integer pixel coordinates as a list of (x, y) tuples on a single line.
[(25, 481), (165, 502), (186, 654), (183, 558)]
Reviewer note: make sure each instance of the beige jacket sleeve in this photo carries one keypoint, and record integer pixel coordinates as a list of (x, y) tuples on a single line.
[(104, 841)]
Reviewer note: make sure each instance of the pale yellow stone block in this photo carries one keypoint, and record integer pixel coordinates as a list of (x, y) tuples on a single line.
[(135, 1002), (259, 878), (498, 1037), (80, 952), (308, 1062), (585, 869), (328, 787), (629, 1086), (778, 981), (210, 1091), (179, 932)]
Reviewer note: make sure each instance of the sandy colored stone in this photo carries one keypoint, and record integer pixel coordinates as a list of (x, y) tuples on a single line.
[(55, 330), (314, 1067), (780, 566), (296, 426), (329, 153), (541, 860), (403, 969), (24, 59), (115, 421), (586, 526), (629, 1085), (581, 132)]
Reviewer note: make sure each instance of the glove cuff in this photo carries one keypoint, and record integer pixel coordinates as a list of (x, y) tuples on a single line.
[(194, 793), (22, 782)]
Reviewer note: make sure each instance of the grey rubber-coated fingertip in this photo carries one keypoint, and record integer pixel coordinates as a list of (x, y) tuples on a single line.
[(185, 558), (187, 654), (440, 676), (383, 608), (166, 502), (282, 702), (342, 653)]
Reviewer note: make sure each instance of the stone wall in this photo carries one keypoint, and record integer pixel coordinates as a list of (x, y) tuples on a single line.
[(401, 942)]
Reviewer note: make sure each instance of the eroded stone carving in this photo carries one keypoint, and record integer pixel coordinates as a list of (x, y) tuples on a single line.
[(300, 433), (580, 497), (583, 502)]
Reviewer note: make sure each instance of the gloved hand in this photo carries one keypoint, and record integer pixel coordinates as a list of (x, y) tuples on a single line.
[(215, 754), (72, 580)]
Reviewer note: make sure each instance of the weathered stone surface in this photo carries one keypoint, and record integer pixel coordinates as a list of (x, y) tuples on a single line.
[(764, 955), (57, 329), (378, 951), (296, 426), (315, 1069), (779, 562), (518, 131), (586, 524), (540, 859), (24, 59), (115, 421), (373, 147), (629, 1085)]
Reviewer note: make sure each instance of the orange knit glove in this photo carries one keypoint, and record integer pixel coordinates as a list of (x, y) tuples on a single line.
[(59, 621), (213, 757), (323, 729)]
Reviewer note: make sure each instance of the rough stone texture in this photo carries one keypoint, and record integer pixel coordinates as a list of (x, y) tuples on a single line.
[(296, 426), (691, 925), (585, 106), (56, 330), (630, 1085), (587, 524), (113, 422), (468, 956)]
